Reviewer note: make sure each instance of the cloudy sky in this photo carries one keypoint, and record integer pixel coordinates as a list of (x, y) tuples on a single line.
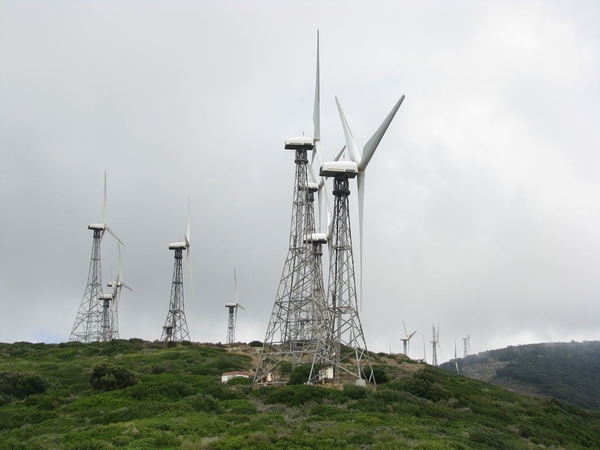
[(482, 205)]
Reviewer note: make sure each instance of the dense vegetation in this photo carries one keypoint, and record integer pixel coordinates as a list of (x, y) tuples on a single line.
[(152, 396), (568, 371)]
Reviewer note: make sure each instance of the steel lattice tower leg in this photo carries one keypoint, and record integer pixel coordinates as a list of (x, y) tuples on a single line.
[(88, 322), (344, 348), (108, 331), (175, 328), (290, 336), (231, 326)]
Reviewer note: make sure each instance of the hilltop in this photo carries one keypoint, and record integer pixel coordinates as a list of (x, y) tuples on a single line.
[(568, 371), (140, 395)]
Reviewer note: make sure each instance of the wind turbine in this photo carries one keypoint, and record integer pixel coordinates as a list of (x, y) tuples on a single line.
[(467, 345), (115, 297), (233, 310), (346, 332), (406, 339), (296, 319), (89, 322), (436, 345), (455, 358), (175, 328)]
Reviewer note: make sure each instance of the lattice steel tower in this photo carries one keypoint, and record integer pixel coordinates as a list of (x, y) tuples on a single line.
[(175, 328), (344, 347), (294, 327), (89, 322), (233, 310), (291, 335)]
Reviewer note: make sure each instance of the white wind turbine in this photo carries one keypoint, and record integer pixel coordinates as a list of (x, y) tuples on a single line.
[(92, 322), (116, 296), (175, 327), (233, 310), (455, 358), (346, 334), (406, 339)]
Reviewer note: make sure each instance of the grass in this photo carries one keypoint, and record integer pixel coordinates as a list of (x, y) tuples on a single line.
[(179, 402)]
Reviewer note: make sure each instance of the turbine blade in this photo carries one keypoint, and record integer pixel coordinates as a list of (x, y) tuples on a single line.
[(187, 233), (104, 205), (235, 285), (317, 108), (125, 286), (114, 235), (412, 334), (360, 179), (350, 143), (405, 332), (188, 260), (237, 304), (371, 145), (339, 155), (120, 265), (235, 320)]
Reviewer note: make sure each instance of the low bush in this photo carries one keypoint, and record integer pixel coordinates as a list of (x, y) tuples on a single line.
[(107, 377), (21, 384)]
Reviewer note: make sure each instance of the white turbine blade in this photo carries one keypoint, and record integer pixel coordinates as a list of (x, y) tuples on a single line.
[(405, 332), (350, 143), (360, 180), (125, 286), (317, 108), (235, 319), (114, 235), (115, 285), (371, 145), (104, 205), (120, 264), (187, 233), (412, 334), (238, 305), (339, 155), (235, 285), (188, 260)]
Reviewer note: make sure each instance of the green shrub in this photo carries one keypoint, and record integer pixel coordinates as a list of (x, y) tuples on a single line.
[(239, 381), (300, 374), (255, 344), (107, 377), (21, 384), (206, 403), (355, 392)]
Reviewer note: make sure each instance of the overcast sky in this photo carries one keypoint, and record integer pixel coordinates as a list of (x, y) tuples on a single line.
[(482, 209)]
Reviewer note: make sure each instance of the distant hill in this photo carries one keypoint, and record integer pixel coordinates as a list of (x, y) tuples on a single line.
[(142, 395), (568, 371)]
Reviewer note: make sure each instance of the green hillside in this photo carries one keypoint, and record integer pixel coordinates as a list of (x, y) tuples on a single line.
[(568, 371), (138, 395)]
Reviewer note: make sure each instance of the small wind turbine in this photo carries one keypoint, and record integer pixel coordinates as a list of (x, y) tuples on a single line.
[(455, 358), (233, 310), (467, 345), (175, 327), (436, 345), (116, 296), (92, 323), (406, 339)]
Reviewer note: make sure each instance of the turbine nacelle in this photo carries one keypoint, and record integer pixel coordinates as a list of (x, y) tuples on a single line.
[(299, 143), (178, 246), (319, 238), (334, 168)]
